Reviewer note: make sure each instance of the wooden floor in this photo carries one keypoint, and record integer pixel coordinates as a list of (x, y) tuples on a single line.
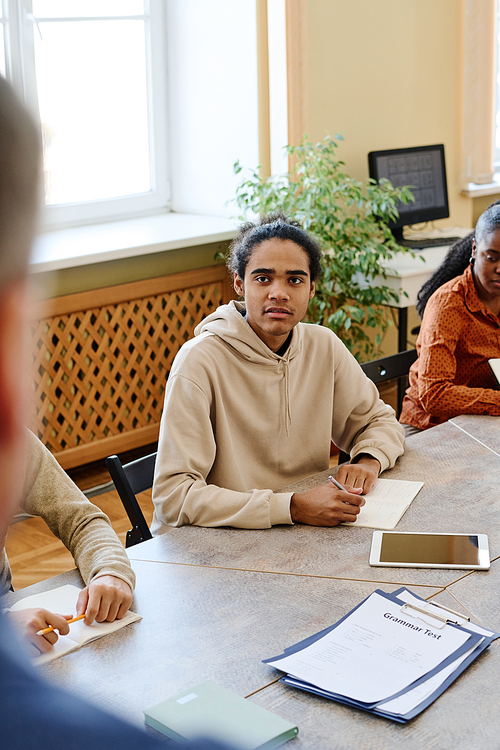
[(34, 552)]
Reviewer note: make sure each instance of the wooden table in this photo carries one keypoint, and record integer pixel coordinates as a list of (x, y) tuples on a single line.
[(217, 601)]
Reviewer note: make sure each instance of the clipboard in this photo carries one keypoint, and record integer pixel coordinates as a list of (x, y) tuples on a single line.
[(432, 684)]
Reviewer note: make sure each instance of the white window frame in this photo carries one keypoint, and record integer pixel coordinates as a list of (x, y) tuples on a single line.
[(478, 92), (496, 109), (20, 27)]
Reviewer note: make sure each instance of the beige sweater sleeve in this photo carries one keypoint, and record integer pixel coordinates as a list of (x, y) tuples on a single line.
[(82, 527), (363, 422)]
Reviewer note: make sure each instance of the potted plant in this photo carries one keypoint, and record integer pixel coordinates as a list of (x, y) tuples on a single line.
[(349, 218)]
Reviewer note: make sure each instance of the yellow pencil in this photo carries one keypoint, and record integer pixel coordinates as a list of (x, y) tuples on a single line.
[(49, 630)]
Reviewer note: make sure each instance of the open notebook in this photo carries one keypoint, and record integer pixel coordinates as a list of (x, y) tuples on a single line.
[(63, 601), (386, 503), (495, 366)]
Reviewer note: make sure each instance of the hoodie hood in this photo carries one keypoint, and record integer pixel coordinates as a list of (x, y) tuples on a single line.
[(229, 324)]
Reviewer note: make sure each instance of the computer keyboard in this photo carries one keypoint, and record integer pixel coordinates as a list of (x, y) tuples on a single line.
[(428, 242)]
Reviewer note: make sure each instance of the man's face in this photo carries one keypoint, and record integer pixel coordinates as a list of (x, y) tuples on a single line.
[(277, 288)]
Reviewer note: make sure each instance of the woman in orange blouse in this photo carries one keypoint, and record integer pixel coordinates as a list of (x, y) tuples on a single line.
[(460, 331)]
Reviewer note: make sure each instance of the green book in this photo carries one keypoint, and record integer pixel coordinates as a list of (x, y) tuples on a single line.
[(210, 710)]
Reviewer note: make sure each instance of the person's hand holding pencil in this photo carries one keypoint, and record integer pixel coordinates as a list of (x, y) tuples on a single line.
[(30, 622), (50, 629)]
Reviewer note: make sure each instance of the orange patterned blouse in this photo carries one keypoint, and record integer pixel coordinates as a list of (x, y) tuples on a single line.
[(451, 375)]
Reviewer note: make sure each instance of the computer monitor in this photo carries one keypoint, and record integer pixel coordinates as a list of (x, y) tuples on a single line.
[(423, 169)]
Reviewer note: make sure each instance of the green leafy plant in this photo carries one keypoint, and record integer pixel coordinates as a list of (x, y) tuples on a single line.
[(348, 217)]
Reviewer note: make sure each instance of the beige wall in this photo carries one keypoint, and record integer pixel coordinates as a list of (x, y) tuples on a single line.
[(386, 74)]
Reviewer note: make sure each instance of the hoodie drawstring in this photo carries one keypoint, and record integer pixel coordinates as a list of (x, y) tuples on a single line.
[(285, 366)]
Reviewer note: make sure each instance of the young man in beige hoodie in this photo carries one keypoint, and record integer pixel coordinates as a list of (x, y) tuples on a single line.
[(254, 400)]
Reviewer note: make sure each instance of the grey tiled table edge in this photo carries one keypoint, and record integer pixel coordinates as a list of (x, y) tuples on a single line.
[(484, 429), (342, 552)]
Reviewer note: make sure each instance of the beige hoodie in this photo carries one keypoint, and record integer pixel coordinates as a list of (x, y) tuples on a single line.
[(239, 422)]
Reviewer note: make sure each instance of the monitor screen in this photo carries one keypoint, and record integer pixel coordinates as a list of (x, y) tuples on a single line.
[(423, 169)]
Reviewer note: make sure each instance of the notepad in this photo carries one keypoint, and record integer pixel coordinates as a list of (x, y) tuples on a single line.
[(210, 710), (62, 600), (495, 367), (386, 503)]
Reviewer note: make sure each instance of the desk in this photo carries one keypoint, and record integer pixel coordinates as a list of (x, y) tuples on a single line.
[(485, 430), (198, 624), (434, 456), (217, 601)]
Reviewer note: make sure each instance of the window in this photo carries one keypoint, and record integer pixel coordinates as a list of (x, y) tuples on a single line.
[(2, 43), (496, 129), (478, 113), (93, 71)]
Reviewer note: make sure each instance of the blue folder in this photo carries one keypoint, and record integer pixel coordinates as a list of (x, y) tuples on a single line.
[(479, 641)]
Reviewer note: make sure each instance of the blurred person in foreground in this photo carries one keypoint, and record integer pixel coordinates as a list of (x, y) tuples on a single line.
[(33, 714)]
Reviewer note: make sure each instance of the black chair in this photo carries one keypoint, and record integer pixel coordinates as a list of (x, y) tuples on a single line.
[(394, 367), (130, 479)]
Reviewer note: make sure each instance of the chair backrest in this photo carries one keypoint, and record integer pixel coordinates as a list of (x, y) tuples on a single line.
[(130, 479), (396, 366), (388, 368)]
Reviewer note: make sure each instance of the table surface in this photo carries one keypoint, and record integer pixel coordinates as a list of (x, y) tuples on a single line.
[(482, 429), (215, 602)]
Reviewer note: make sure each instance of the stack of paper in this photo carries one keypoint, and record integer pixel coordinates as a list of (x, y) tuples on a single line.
[(392, 655), (62, 600)]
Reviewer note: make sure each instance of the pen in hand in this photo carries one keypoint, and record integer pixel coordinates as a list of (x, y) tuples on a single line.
[(337, 484), (339, 487), (51, 629)]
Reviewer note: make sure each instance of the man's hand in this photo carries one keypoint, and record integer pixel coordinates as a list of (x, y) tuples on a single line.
[(363, 474), (326, 506), (29, 621), (107, 598)]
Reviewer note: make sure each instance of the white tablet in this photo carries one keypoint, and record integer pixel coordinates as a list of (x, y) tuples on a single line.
[(495, 366), (406, 549)]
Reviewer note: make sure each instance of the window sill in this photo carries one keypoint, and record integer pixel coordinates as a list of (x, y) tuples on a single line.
[(473, 190), (80, 246)]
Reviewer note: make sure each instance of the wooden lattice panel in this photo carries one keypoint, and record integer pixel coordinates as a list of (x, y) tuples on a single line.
[(101, 360)]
